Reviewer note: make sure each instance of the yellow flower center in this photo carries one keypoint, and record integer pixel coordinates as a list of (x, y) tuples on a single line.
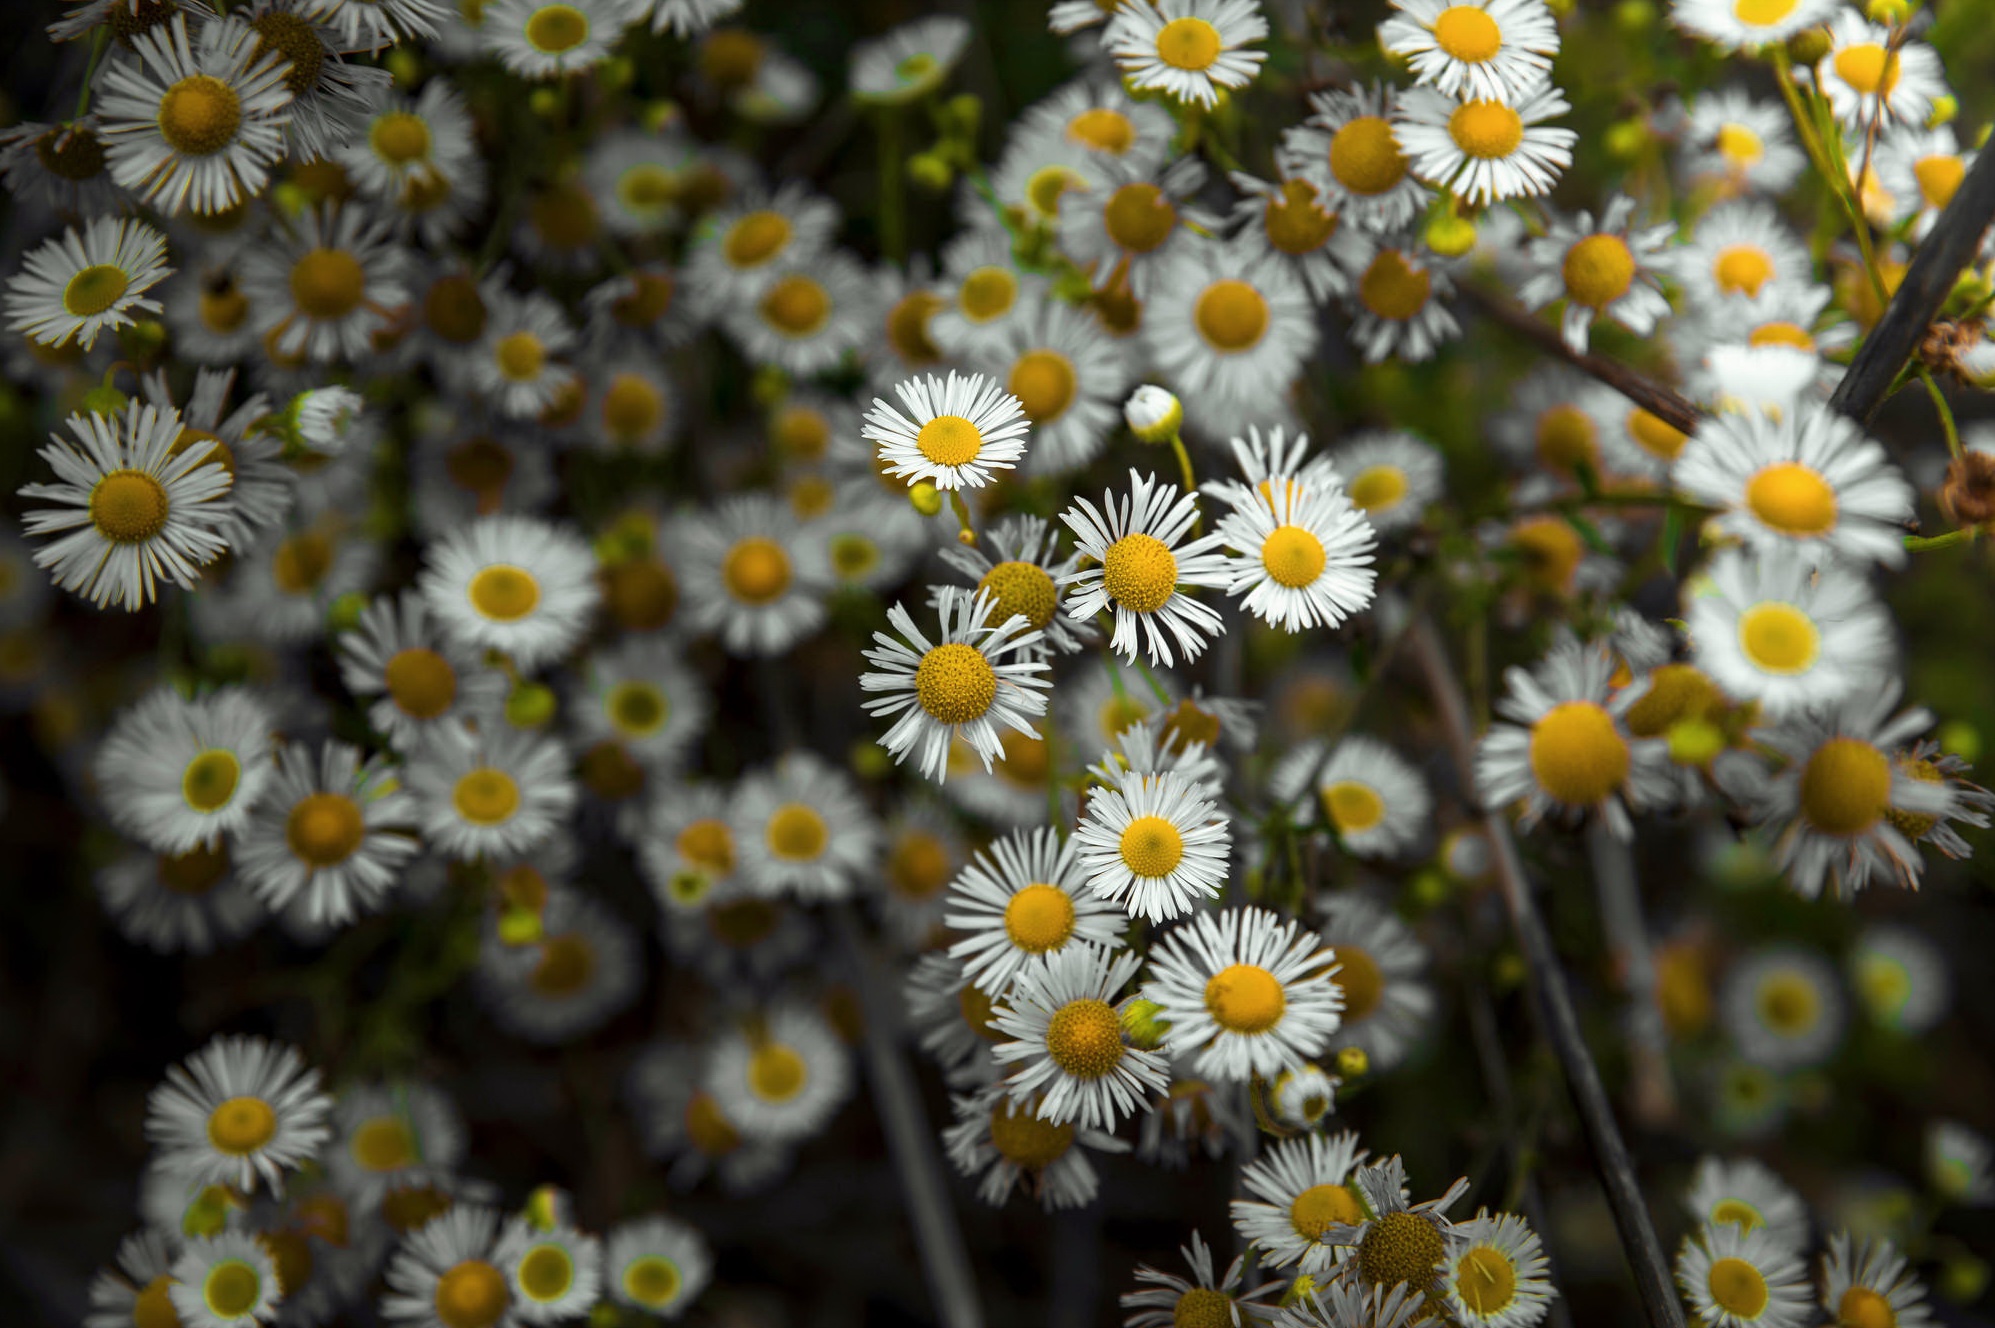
[(212, 448), (564, 215), (907, 327), (1736, 1213), (210, 779), (1139, 218), (756, 570), (223, 311), (1321, 1207), (1739, 145), (1742, 269), (708, 843), (1362, 980), (1039, 918), (327, 284), (1364, 156), (1023, 1139), (918, 866), (240, 1125), (637, 708), (1044, 382), (1567, 436), (1231, 315), (1203, 1307), (1293, 556), (1244, 998), (486, 796), (1392, 288), (1084, 1038), (796, 833), (1762, 13), (646, 187), (1781, 334), (1737, 1287), (949, 440), (652, 1280), (633, 407), (324, 829), (294, 41), (1778, 638), (94, 289), (1152, 847), (1550, 552), (1468, 34), (776, 1073), (454, 309), (399, 138), (1188, 43), (545, 1273), (1939, 177), (553, 29), (1861, 1307), (1845, 786), (976, 1011), (1377, 488), (1792, 498), (520, 356), (471, 1294), (1352, 806), (503, 592), (1676, 692), (1486, 1280), (129, 507), (199, 115), (756, 238), (987, 293), (1868, 68), (1598, 270), (420, 682), (797, 306), (1103, 130), (1656, 436), (1486, 129), (564, 968), (194, 872), (1022, 589), (383, 1144), (1294, 222), (232, 1288), (301, 563), (1048, 185), (955, 683), (1577, 755), (1140, 572), (800, 432), (1400, 1247)]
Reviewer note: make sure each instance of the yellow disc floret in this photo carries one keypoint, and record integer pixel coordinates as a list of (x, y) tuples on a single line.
[(1845, 786), (1039, 918), (1792, 498), (129, 507), (949, 440), (1778, 638), (1084, 1038), (1151, 846), (1577, 754), (1140, 572), (1245, 998), (1231, 315), (955, 683), (239, 1126)]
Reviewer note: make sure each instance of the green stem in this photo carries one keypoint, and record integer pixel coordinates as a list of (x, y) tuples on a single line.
[(1925, 544), (97, 44), (1163, 697), (1827, 165), (893, 199), (962, 515), (1946, 411)]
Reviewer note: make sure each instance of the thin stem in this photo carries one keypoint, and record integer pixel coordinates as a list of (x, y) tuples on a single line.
[(1184, 463), (1163, 697), (1925, 544), (98, 41), (1946, 411), (962, 511), (1652, 1096), (1665, 404)]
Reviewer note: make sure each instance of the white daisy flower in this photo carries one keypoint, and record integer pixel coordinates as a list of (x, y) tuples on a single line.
[(1958, 1164), (1380, 967), (1768, 347), (392, 1137), (1375, 801), (1003, 1143), (1022, 572), (1348, 150), (639, 693), (585, 967), (328, 834), (331, 96), (174, 773), (1748, 1195), (1095, 112), (209, 316), (239, 1111), (494, 793), (1139, 567), (684, 18), (517, 366), (800, 828), (1485, 150), (1498, 1275), (811, 314), (956, 433), (555, 1272), (542, 39), (1191, 50), (1740, 248), (656, 1264), (1351, 1302), (1870, 74), (1068, 379), (330, 281), (197, 121), (60, 164), (133, 508), (225, 1281), (1732, 25), (1869, 1281), (1229, 327), (1811, 483), (1742, 1279), (1901, 977), (951, 1020), (419, 682), (171, 903), (1303, 1096), (1125, 231), (1396, 305), (1020, 899), (1606, 271), (1390, 475), (370, 25), (138, 1289), (1746, 143), (1499, 49), (910, 62), (1301, 1189), (783, 1078), (1923, 169), (1397, 1244), (1167, 1300), (1245, 993), (261, 486), (513, 584), (745, 246), (1065, 1036), (1783, 1008), (1564, 423), (1285, 220), (1773, 629), (1155, 844), (1303, 557), (443, 1273), (749, 579), (77, 285), (409, 142)]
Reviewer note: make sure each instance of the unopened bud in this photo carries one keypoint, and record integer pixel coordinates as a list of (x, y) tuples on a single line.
[(1945, 108), (104, 400), (1809, 45), (1626, 138), (1892, 12), (344, 612), (1141, 1025), (1695, 742), (926, 498), (530, 705), (1961, 738), (1450, 234), (1353, 1063), (930, 171), (1153, 414), (518, 926)]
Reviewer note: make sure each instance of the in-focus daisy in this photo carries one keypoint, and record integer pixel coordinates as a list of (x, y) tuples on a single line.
[(555, 1271), (133, 508), (1783, 1007), (1397, 305), (1901, 978), (1734, 25), (77, 285), (1189, 49), (1347, 149), (1139, 566), (1748, 1195), (1498, 1275), (956, 432), (656, 1264), (326, 284), (1380, 962), (910, 62), (1244, 992), (1810, 483), (1742, 1279), (175, 902), (1500, 49), (1230, 328), (444, 1274), (1064, 1033), (1021, 899), (1390, 475), (225, 1281), (1604, 271), (1155, 844), (582, 970), (1005, 1143), (420, 682), (1303, 557), (494, 793), (1740, 248), (1486, 150), (1567, 747), (750, 579), (541, 39), (1301, 1189), (809, 316), (1168, 1300), (1743, 141), (175, 773), (1870, 73), (239, 1112), (1022, 572), (1870, 1282), (1773, 629), (1398, 1243), (1068, 380), (328, 834), (800, 828), (197, 120), (781, 1078), (513, 584)]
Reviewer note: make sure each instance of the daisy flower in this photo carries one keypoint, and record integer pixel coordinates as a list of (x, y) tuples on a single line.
[(225, 1281), (329, 282), (684, 18), (61, 164), (1396, 305), (1002, 1143), (1243, 993), (1900, 977), (1156, 844), (1485, 150), (494, 793), (1773, 629), (175, 774), (1375, 801), (1190, 49), (1285, 220), (392, 1137), (1068, 379), (517, 366), (800, 828), (1566, 747), (138, 1289), (542, 39), (1166, 1299), (1783, 1008), (1229, 328), (957, 431), (327, 834), (656, 1264), (1867, 75), (808, 317), (1397, 1243), (1125, 231), (1341, 1303), (745, 246), (1380, 962), (781, 1079), (1742, 1279), (1303, 557), (1811, 484), (1022, 573), (1348, 150), (1732, 25), (1139, 567), (1498, 1275), (370, 25), (1498, 49), (555, 1271), (75, 286), (407, 142), (1746, 143), (1868, 1281), (951, 1019), (1096, 113), (238, 1111), (523, 587), (640, 694), (1391, 476), (749, 578), (1923, 169), (1740, 248), (1301, 1189), (195, 123), (446, 1267), (1065, 1034), (261, 488), (1022, 899), (1958, 1164), (910, 62), (170, 903), (585, 967), (1303, 1096), (1747, 1194), (1606, 271), (419, 683), (132, 508)]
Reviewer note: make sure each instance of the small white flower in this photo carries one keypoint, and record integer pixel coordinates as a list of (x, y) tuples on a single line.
[(955, 434), (1190, 49), (1742, 1279), (239, 1112), (1773, 629), (1067, 1042), (1023, 898), (1156, 844), (1244, 993), (1142, 566), (75, 286)]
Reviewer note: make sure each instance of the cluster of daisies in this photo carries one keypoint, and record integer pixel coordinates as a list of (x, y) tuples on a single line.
[(269, 1199)]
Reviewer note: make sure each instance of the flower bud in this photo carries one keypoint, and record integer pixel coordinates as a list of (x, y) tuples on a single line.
[(1945, 108), (1450, 234), (1153, 415), (1353, 1063), (530, 705), (104, 400), (927, 499), (1141, 1025)]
